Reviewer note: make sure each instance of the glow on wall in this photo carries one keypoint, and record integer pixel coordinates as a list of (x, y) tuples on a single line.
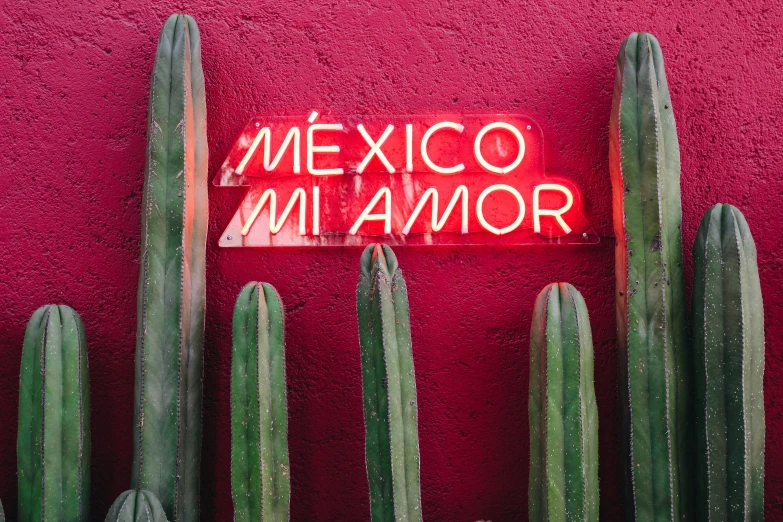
[(448, 179)]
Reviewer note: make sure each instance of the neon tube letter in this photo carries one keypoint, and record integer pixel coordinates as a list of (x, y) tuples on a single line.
[(366, 216), (265, 135), (312, 149), (275, 225), (484, 163), (557, 214), (480, 209), (375, 148), (426, 157), (437, 224)]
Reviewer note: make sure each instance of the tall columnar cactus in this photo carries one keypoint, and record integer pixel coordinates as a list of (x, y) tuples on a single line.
[(136, 506), (390, 408), (728, 341), (53, 445), (644, 161), (563, 413), (260, 478), (171, 297)]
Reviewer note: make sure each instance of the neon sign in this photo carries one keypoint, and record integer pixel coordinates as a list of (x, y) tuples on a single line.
[(326, 180)]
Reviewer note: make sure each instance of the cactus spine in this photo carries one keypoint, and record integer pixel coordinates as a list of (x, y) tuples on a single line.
[(53, 445), (728, 339), (563, 413), (644, 160), (171, 297), (389, 383), (136, 506), (260, 477)]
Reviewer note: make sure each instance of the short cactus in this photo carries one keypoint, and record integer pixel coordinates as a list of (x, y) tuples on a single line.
[(53, 445), (171, 292), (136, 506), (390, 408), (562, 410), (260, 478), (654, 360), (728, 340)]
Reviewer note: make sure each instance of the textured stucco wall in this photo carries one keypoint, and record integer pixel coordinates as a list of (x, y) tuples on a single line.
[(74, 78)]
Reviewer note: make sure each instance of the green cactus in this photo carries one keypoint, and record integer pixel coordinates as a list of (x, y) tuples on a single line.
[(53, 444), (728, 341), (390, 409), (563, 413), (644, 161), (136, 506), (260, 476), (171, 296), (2, 513)]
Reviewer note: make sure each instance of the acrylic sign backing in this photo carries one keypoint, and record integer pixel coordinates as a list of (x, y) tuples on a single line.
[(327, 180)]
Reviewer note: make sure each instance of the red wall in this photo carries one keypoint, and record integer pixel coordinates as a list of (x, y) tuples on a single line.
[(75, 78)]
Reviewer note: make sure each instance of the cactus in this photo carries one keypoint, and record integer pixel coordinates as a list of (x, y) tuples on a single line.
[(563, 413), (389, 383), (2, 513), (53, 445), (728, 339), (260, 478), (171, 296), (644, 161), (136, 506)]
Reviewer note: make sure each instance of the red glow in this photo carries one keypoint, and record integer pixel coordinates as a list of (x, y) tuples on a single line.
[(343, 163)]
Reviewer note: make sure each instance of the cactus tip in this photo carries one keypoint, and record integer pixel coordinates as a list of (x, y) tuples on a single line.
[(377, 251)]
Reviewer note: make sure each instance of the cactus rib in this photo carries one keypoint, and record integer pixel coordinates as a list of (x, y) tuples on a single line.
[(171, 297), (53, 444), (136, 506), (644, 161), (562, 410), (389, 383), (260, 476), (728, 338)]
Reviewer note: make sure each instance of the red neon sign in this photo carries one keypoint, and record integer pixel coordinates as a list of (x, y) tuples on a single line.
[(327, 180)]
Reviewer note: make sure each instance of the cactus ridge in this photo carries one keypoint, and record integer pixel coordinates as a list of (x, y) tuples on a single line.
[(136, 506), (562, 410), (260, 477), (53, 444), (654, 359), (171, 296), (728, 338), (389, 388)]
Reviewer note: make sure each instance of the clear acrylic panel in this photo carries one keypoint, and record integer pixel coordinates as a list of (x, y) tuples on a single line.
[(446, 179)]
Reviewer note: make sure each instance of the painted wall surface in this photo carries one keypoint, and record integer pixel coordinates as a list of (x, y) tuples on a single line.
[(74, 78)]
